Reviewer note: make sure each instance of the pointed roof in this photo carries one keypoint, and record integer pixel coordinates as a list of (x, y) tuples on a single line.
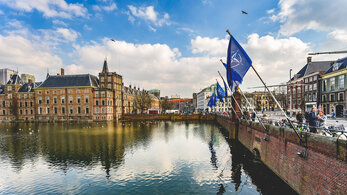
[(341, 63), (15, 80), (105, 67), (29, 87)]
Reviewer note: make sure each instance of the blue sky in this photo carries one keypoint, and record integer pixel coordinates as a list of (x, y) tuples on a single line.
[(171, 45)]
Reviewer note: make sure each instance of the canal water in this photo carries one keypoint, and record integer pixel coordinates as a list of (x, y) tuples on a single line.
[(128, 158)]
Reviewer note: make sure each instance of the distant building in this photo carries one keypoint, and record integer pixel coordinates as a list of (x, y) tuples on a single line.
[(155, 92), (176, 96), (194, 100), (201, 98), (183, 105), (334, 88), (303, 88), (5, 75), (26, 78)]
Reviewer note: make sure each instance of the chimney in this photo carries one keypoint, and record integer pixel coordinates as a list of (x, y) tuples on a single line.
[(62, 71), (309, 59)]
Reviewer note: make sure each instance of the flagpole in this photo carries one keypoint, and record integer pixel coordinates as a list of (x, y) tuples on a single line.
[(231, 93), (232, 107), (256, 114), (291, 124)]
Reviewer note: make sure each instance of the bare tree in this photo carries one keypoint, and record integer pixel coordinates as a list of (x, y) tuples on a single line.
[(143, 101)]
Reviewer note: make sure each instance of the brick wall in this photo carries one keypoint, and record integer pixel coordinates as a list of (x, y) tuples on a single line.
[(324, 171)]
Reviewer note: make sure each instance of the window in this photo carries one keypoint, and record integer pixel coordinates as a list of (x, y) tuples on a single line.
[(96, 94), (39, 92), (71, 110), (102, 94), (342, 81), (31, 104), (324, 98), (9, 88), (79, 110), (103, 102), (40, 110), (31, 111), (310, 89), (109, 86), (336, 66), (70, 91), (47, 100), (109, 79), (62, 91), (86, 91), (9, 96), (332, 97), (324, 86), (54, 92), (55, 100), (47, 110), (47, 92), (315, 78), (78, 91), (86, 99), (96, 110), (103, 110), (30, 95), (315, 86), (63, 110), (70, 99), (314, 97), (40, 100), (332, 84), (340, 96), (87, 110), (310, 79), (306, 87), (3, 112), (78, 99), (63, 100), (25, 96), (26, 104), (97, 102), (55, 110)]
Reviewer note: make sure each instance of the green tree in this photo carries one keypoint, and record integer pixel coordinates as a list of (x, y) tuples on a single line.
[(166, 105), (143, 101)]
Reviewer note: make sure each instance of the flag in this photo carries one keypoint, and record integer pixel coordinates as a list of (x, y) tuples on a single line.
[(225, 87), (212, 101), (220, 92), (238, 63)]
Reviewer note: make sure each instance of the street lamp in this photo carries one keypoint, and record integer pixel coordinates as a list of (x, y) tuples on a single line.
[(290, 92)]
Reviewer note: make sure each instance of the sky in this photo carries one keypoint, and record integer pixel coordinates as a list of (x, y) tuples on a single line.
[(172, 45)]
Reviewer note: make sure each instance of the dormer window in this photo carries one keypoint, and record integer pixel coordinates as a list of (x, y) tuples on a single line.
[(336, 66)]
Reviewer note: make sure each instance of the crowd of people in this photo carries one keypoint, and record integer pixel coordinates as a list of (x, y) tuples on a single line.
[(314, 120)]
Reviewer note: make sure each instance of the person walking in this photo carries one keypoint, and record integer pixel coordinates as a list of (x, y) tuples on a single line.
[(313, 120)]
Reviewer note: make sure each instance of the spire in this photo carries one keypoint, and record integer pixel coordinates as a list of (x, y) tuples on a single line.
[(47, 73), (105, 67)]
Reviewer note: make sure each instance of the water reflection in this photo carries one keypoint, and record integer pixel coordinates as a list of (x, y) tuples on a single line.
[(131, 158)]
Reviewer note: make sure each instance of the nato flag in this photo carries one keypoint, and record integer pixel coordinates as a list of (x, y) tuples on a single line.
[(238, 63), (220, 93)]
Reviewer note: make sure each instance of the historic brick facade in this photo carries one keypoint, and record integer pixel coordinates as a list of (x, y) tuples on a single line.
[(69, 97)]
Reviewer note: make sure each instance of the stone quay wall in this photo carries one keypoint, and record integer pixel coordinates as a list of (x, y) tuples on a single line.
[(172, 117), (323, 171)]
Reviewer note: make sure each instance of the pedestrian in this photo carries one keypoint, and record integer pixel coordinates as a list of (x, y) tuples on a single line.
[(313, 120), (322, 119), (253, 116), (333, 115), (300, 119)]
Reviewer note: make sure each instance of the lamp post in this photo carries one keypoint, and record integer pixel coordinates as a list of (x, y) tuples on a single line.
[(290, 92)]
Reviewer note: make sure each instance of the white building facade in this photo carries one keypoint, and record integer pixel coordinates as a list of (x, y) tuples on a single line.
[(5, 75)]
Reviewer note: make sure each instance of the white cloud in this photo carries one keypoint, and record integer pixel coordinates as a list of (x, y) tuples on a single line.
[(67, 34), (339, 35), (59, 22), (56, 8), (209, 46), (108, 5), (270, 11), (27, 56), (274, 57), (320, 15), (149, 14)]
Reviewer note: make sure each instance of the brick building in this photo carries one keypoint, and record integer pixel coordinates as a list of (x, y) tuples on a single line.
[(68, 97)]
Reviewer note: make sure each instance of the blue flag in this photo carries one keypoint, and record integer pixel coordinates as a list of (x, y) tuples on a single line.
[(225, 87), (220, 92), (238, 63), (212, 101)]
